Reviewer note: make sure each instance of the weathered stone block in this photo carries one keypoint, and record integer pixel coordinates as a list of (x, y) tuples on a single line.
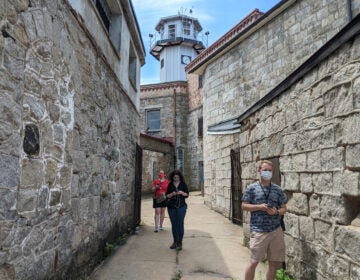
[(348, 131), (323, 183), (246, 153), (249, 171), (292, 181), (298, 204), (9, 175), (51, 170), (293, 246), (306, 183), (354, 272), (59, 133), (314, 205), (307, 230), (333, 267), (278, 122), (55, 196), (332, 159), (346, 240), (270, 146), (313, 161), (286, 164), (356, 92), (338, 100), (32, 173), (335, 209), (290, 143), (347, 183), (43, 197), (352, 156), (36, 107), (292, 224), (27, 200), (299, 162), (324, 234)]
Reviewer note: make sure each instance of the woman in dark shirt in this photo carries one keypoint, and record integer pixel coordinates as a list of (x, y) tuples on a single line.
[(176, 193)]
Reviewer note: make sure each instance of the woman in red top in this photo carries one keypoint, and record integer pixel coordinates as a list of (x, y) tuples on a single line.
[(159, 188)]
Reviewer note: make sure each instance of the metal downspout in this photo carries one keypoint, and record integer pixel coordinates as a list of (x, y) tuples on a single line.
[(349, 11), (175, 142)]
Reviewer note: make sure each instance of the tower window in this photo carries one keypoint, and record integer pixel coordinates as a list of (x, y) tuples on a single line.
[(162, 63), (186, 28), (172, 31), (153, 120)]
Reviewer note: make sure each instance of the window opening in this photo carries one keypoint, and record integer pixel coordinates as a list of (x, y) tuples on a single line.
[(153, 120)]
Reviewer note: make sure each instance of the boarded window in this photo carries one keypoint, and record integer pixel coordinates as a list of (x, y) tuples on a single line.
[(132, 66), (180, 159), (200, 127), (153, 120), (200, 81)]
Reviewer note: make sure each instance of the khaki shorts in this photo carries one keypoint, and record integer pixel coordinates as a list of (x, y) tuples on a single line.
[(268, 245)]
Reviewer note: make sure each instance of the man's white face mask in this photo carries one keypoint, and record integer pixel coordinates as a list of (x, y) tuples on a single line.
[(266, 175)]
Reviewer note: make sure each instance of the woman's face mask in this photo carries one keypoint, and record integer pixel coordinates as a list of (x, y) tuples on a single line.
[(176, 179), (266, 175), (161, 175)]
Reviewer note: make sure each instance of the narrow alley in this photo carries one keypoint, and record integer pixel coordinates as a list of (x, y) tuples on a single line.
[(211, 250)]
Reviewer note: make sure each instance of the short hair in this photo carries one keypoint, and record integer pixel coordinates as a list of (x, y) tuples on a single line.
[(261, 162)]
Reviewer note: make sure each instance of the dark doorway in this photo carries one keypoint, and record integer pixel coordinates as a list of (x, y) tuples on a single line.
[(201, 177), (236, 187), (137, 192)]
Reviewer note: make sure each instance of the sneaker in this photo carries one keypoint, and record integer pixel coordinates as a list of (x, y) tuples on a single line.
[(156, 229), (179, 246), (161, 228), (173, 246)]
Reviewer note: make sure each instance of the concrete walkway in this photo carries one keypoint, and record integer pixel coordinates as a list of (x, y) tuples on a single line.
[(211, 249)]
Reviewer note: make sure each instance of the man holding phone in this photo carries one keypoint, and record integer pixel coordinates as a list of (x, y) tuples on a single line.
[(266, 201)]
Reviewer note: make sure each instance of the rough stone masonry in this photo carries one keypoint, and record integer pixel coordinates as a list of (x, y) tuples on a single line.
[(67, 145)]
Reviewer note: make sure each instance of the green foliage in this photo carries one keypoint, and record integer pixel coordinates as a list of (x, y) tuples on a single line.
[(281, 274), (177, 275), (111, 247)]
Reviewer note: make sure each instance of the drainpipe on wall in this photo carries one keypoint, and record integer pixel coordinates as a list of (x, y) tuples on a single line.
[(349, 12), (175, 129)]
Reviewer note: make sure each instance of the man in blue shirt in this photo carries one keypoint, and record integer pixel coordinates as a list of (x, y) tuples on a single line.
[(266, 202)]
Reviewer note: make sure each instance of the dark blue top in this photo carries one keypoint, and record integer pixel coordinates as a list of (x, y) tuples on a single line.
[(261, 221), (177, 201)]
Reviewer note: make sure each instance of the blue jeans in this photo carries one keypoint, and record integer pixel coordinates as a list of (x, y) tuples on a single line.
[(177, 217)]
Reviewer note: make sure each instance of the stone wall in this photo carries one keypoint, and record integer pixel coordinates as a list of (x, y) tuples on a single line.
[(195, 142), (314, 129), (247, 72), (67, 145), (174, 125)]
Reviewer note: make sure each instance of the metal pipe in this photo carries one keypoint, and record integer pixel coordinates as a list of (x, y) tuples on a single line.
[(349, 11), (175, 144)]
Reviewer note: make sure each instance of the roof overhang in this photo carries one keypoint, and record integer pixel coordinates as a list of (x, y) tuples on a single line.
[(227, 127)]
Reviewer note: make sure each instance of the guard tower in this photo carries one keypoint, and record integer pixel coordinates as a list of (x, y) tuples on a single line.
[(177, 46)]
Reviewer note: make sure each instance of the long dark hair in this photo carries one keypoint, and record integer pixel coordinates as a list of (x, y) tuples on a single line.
[(176, 172)]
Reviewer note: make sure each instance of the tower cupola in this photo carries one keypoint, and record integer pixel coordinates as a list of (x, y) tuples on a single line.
[(177, 45)]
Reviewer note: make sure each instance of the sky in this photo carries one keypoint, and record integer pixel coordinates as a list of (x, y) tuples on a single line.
[(215, 16)]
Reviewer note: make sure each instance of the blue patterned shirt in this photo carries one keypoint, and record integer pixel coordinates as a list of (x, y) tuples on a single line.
[(261, 221)]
